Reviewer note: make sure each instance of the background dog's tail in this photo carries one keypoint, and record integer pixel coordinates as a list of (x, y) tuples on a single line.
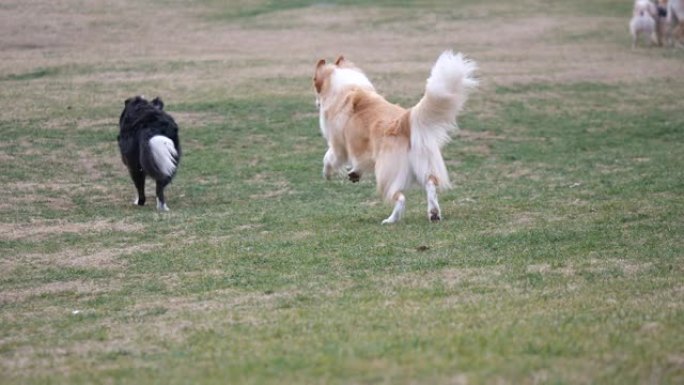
[(164, 157), (433, 119)]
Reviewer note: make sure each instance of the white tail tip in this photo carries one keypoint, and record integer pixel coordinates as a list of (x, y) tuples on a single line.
[(164, 153)]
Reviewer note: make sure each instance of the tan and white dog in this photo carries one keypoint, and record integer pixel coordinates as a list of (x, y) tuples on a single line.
[(366, 133)]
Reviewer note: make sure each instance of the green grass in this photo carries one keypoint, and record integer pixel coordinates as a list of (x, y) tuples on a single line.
[(559, 259)]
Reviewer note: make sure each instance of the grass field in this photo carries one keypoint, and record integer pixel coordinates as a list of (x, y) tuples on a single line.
[(560, 259)]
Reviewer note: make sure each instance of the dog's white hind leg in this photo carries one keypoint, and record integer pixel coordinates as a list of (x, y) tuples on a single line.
[(434, 213), (161, 206), (161, 201), (331, 163), (399, 206)]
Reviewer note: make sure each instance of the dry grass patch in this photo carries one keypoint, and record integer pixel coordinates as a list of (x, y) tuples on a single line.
[(103, 258), (450, 278), (268, 186), (194, 120), (130, 332), (216, 301), (78, 287), (40, 229), (54, 203)]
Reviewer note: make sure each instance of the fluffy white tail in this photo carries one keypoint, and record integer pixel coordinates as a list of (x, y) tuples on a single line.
[(433, 119), (164, 154)]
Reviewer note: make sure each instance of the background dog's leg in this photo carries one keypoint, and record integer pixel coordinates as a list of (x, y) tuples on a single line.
[(670, 32), (433, 204), (399, 204), (161, 203), (139, 181)]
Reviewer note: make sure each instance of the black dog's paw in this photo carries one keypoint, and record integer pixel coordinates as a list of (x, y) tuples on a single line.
[(354, 176), (434, 216)]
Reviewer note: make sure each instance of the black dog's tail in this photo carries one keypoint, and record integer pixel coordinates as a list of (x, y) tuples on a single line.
[(160, 157)]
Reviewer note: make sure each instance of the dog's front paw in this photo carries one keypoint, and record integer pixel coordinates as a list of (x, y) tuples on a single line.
[(434, 215), (139, 202), (354, 176)]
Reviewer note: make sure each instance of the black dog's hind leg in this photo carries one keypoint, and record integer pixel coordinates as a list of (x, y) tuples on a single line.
[(161, 202), (139, 180)]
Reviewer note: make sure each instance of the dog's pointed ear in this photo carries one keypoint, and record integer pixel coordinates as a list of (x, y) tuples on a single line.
[(157, 102), (340, 60), (318, 79), (127, 101)]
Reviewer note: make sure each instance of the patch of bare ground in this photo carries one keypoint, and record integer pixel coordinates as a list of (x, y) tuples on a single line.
[(57, 194), (451, 277), (186, 120), (509, 50), (38, 360), (81, 123), (478, 149), (270, 194), (191, 120), (103, 258), (243, 58), (467, 135), (78, 287), (629, 268), (517, 171), (276, 186), (174, 319), (84, 164), (486, 136), (546, 268), (39, 229), (219, 300), (56, 203)]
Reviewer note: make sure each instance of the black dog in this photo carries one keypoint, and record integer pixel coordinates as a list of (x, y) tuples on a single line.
[(149, 145)]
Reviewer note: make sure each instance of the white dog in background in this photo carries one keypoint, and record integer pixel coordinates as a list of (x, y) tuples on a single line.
[(643, 21)]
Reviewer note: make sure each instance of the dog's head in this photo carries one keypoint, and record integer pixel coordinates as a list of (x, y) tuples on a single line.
[(645, 8), (134, 106), (139, 100), (322, 79)]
